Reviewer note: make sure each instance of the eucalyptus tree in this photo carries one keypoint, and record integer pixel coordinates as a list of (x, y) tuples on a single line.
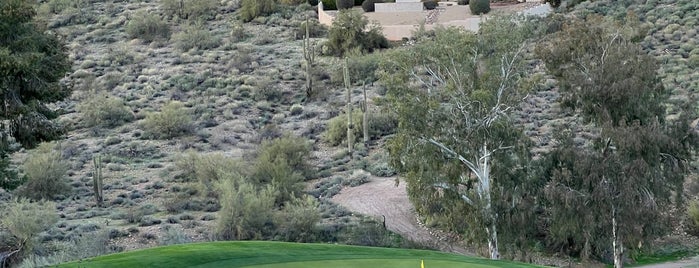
[(454, 93), (607, 195)]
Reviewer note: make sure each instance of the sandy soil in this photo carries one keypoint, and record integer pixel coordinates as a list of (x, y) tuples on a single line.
[(691, 263), (381, 197)]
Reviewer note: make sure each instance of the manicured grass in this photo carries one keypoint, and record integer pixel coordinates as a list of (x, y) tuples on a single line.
[(284, 255)]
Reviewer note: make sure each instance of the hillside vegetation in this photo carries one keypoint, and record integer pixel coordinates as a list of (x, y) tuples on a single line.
[(203, 120)]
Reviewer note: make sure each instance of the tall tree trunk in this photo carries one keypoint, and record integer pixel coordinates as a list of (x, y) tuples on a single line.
[(617, 244), (488, 212)]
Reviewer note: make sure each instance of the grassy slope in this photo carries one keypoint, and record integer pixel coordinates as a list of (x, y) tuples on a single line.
[(275, 254)]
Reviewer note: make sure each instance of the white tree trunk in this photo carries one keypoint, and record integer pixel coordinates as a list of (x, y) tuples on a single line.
[(617, 244), (488, 213)]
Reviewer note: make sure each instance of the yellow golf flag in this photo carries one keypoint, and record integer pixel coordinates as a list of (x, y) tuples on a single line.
[(422, 263)]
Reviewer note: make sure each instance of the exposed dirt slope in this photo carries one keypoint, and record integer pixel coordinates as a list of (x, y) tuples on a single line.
[(381, 197)]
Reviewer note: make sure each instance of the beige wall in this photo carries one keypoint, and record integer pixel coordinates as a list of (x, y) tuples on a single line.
[(324, 17)]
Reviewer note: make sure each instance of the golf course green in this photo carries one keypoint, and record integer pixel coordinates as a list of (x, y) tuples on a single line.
[(260, 254)]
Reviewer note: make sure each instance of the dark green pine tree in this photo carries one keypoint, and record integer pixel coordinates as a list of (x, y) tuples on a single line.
[(608, 196), (32, 62)]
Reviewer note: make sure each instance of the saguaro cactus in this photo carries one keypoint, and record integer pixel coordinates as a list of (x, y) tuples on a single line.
[(350, 139), (365, 119), (97, 179), (309, 55)]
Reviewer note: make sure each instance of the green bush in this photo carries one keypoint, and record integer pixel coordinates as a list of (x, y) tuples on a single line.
[(380, 124), (173, 121), (195, 36), (362, 69), (20, 224), (101, 109), (297, 222), (693, 213), (344, 4), (245, 211), (283, 163), (147, 27), (291, 2), (190, 9), (250, 9), (313, 2), (208, 169), (44, 172), (315, 29), (430, 4), (336, 131), (329, 5), (479, 7), (173, 236), (349, 33)]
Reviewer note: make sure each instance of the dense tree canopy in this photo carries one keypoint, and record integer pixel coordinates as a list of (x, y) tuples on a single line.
[(464, 159), (32, 62), (605, 196)]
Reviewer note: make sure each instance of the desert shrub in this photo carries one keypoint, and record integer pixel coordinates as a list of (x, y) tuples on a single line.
[(344, 4), (149, 221), (315, 29), (380, 124), (369, 5), (101, 109), (250, 9), (147, 27), (349, 33), (190, 9), (173, 121), (173, 236), (57, 6), (282, 163), (693, 214), (291, 2), (246, 212), (296, 109), (267, 91), (370, 234), (362, 69), (238, 32), (208, 169), (336, 131), (20, 225), (297, 222), (44, 172), (479, 6), (195, 36), (294, 150), (430, 4)]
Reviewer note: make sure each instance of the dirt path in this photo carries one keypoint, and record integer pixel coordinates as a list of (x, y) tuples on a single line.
[(381, 197), (689, 263)]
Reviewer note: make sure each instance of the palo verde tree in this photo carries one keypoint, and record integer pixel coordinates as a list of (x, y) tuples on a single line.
[(606, 195), (32, 62), (463, 157)]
